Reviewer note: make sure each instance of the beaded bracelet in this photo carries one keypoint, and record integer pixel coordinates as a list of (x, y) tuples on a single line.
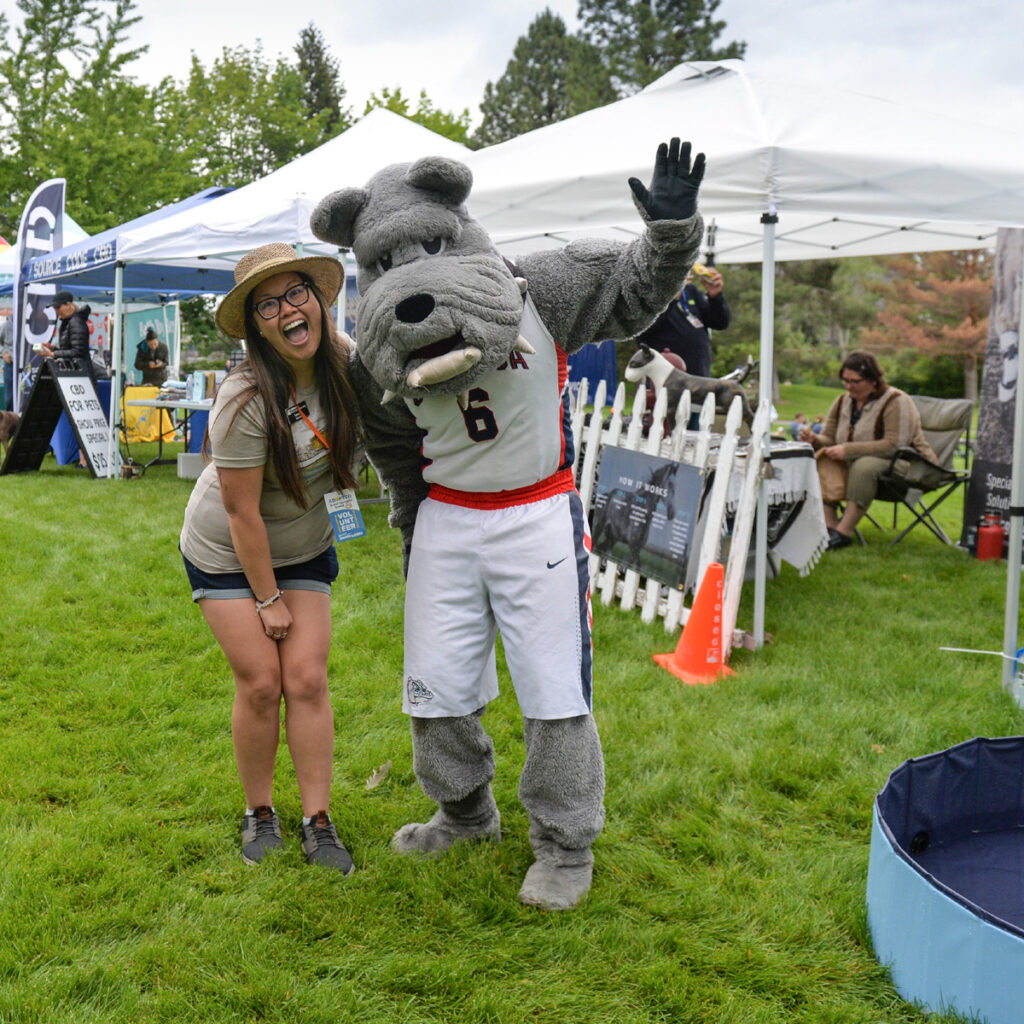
[(260, 605)]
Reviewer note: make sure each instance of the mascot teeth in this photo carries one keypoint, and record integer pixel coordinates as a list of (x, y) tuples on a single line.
[(442, 368), (387, 397), (522, 345), (463, 400), (521, 281)]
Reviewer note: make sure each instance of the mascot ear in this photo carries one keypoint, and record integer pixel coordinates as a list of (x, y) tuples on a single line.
[(439, 174), (335, 215)]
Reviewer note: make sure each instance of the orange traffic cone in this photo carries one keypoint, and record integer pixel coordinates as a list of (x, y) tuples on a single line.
[(698, 657)]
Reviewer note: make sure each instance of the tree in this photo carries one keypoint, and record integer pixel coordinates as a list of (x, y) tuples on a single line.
[(552, 75), (324, 91), (69, 109), (640, 40), (820, 305), (243, 117), (936, 304), (451, 126)]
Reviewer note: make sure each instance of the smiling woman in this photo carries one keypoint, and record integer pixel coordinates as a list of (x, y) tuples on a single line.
[(257, 539)]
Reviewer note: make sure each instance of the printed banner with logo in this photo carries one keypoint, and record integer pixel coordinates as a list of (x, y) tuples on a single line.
[(41, 232), (992, 465)]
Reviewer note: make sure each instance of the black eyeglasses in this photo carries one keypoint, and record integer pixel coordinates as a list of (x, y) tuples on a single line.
[(269, 307), (853, 380)]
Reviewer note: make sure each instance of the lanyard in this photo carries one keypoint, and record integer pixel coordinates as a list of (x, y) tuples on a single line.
[(309, 422)]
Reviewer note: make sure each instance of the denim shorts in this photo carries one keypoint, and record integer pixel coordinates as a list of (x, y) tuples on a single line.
[(317, 574)]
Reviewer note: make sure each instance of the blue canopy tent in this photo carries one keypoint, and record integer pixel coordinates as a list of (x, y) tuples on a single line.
[(87, 268)]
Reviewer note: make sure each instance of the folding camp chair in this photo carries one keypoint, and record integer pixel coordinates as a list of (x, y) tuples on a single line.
[(917, 483)]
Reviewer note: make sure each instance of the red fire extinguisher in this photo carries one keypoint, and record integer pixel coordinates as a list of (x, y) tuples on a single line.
[(990, 538)]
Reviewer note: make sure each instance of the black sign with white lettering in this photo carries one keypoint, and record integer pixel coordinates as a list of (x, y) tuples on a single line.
[(63, 385)]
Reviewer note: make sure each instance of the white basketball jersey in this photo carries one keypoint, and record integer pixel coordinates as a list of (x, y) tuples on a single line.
[(514, 435)]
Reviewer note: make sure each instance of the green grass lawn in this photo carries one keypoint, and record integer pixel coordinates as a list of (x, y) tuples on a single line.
[(729, 882)]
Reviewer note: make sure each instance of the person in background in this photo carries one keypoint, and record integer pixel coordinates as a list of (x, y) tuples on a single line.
[(73, 335), (151, 358), (257, 540), (799, 422), (7, 355), (72, 340), (818, 425), (864, 428), (685, 324)]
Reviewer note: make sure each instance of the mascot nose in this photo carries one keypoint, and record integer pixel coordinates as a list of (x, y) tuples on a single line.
[(415, 309)]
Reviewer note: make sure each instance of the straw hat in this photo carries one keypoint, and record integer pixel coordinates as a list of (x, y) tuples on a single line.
[(256, 266)]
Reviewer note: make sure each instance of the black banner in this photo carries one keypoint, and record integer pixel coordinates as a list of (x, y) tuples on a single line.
[(41, 232), (992, 466)]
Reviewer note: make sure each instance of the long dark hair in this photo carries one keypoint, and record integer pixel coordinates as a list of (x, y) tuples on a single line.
[(272, 380)]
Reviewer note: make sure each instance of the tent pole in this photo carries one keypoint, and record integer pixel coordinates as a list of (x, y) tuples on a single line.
[(1013, 553), (113, 448), (765, 388)]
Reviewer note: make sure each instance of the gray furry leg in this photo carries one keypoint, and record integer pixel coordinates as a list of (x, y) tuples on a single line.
[(562, 789), (453, 759)]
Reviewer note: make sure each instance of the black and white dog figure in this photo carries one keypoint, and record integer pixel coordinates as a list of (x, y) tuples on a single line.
[(648, 363)]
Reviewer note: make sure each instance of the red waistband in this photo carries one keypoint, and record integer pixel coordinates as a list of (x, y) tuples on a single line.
[(557, 483)]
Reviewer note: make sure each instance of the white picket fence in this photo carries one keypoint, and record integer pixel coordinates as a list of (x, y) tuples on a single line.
[(697, 448)]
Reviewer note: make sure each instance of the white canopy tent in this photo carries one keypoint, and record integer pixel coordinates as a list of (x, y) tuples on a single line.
[(840, 173), (848, 174)]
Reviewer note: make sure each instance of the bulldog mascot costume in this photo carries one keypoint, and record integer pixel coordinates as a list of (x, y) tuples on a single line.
[(461, 374)]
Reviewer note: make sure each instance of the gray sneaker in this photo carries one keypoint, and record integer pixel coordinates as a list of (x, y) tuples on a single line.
[(261, 834), (322, 845)]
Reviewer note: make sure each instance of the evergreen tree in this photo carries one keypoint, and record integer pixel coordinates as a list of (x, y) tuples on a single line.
[(552, 75), (324, 91), (640, 40)]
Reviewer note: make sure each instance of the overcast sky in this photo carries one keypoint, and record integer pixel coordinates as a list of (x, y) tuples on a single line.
[(958, 56)]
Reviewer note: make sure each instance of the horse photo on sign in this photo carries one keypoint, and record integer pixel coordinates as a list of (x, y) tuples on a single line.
[(645, 508)]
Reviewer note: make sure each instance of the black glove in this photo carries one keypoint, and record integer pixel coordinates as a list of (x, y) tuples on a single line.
[(674, 184)]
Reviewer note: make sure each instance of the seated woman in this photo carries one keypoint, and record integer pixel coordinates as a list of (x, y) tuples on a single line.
[(864, 428)]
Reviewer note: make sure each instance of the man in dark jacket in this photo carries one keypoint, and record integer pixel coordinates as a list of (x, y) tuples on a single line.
[(683, 327), (73, 339)]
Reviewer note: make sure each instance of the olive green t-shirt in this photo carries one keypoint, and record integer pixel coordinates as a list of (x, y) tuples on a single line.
[(238, 437)]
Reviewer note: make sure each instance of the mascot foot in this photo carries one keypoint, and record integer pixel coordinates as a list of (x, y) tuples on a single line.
[(438, 834), (555, 887)]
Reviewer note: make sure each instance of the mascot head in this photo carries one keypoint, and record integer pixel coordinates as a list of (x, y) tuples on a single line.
[(438, 308)]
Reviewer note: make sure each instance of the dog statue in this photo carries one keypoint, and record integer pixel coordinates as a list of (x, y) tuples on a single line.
[(8, 428), (647, 363)]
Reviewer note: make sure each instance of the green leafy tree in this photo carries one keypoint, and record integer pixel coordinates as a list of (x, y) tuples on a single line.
[(243, 117), (451, 126), (69, 108), (324, 91), (552, 75), (640, 40)]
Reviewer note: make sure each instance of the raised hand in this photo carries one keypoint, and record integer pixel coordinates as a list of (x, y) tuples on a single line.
[(674, 184)]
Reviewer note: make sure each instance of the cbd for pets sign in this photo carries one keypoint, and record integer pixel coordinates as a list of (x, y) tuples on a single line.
[(88, 418), (645, 509), (63, 385)]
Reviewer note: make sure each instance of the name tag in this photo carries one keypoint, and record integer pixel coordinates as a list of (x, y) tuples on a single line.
[(346, 518)]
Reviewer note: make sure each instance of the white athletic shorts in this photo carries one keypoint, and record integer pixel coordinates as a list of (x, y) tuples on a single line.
[(522, 570)]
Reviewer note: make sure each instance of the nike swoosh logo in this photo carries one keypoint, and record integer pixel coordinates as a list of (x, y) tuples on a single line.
[(551, 565)]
